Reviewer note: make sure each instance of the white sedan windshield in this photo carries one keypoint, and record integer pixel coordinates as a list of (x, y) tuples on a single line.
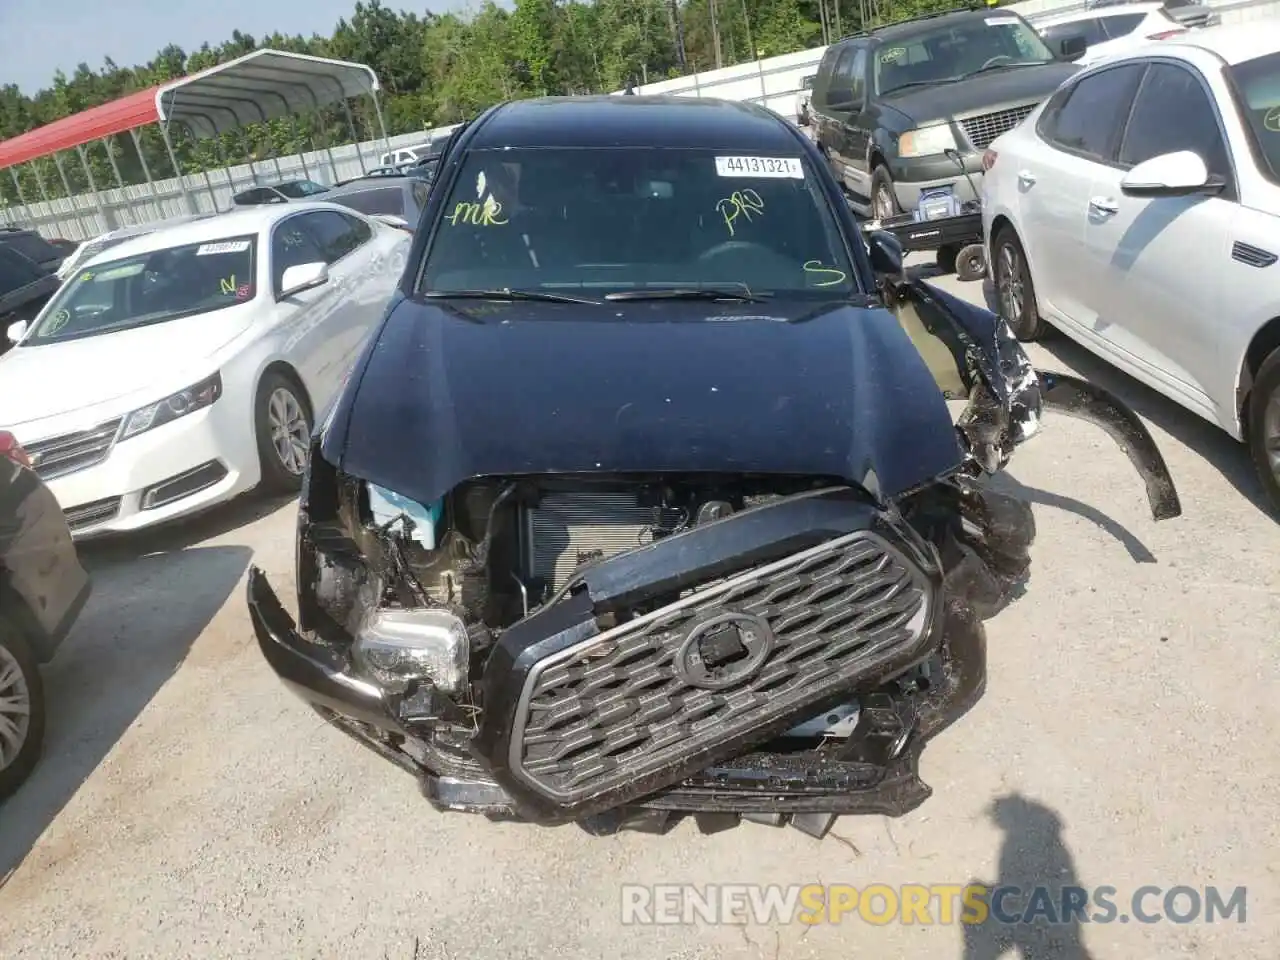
[(150, 288)]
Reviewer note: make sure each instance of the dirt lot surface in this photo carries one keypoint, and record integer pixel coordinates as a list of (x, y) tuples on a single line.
[(189, 806)]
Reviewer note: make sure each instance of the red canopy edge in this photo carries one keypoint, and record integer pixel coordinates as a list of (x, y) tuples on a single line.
[(127, 113)]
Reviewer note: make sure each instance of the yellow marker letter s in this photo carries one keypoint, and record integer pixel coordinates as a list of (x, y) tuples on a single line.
[(830, 276)]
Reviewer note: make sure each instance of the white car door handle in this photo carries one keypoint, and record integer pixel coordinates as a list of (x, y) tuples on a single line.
[(1026, 178), (1103, 205)]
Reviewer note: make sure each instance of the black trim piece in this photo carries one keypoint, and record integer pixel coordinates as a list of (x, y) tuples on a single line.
[(1252, 256)]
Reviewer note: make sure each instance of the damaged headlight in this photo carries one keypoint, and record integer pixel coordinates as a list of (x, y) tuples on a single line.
[(397, 646), (196, 397)]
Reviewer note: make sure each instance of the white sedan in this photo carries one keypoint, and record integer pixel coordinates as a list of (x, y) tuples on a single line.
[(1138, 211), (182, 368)]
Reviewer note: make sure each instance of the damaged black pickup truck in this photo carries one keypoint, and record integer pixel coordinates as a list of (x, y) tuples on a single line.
[(645, 500)]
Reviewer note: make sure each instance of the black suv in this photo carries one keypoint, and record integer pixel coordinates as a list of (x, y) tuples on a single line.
[(24, 290), (910, 107), (34, 247)]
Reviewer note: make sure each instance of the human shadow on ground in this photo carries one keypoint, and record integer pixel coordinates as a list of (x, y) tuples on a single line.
[(1036, 879), (141, 620)]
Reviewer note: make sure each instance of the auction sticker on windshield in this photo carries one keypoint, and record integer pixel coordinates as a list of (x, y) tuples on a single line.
[(230, 246), (1000, 21), (783, 167)]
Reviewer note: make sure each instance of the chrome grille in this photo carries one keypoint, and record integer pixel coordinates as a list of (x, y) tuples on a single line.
[(985, 127), (615, 708), (59, 456), (89, 514), (566, 530)]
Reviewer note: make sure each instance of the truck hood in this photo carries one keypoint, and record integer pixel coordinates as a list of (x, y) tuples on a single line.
[(443, 395), (987, 92), (48, 380)]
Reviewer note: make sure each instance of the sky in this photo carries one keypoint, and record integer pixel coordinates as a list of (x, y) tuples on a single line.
[(38, 37)]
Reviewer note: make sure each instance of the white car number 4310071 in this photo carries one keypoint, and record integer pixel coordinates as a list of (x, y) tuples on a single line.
[(179, 369)]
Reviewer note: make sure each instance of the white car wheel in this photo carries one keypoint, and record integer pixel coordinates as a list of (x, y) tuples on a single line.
[(284, 432)]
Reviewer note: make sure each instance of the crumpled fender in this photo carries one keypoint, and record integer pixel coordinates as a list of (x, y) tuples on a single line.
[(1007, 395)]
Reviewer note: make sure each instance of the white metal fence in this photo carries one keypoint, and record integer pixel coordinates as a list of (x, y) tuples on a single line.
[(774, 82)]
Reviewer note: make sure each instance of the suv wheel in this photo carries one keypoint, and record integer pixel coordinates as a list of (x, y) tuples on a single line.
[(21, 710), (884, 201)]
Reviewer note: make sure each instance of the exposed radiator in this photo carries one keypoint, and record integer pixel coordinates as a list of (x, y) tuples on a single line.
[(567, 530)]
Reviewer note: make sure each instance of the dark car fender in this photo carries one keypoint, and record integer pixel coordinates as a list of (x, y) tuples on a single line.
[(1007, 395), (43, 587)]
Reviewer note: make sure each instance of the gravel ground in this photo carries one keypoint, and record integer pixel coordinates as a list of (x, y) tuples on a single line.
[(189, 806)]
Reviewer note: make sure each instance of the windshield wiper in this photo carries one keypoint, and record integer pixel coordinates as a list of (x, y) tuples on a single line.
[(504, 295), (1004, 66), (689, 293)]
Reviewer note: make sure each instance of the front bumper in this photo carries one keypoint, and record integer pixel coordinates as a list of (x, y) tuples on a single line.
[(913, 177), (108, 496), (583, 721)]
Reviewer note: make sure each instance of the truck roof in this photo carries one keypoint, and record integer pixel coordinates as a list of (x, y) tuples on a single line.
[(635, 121)]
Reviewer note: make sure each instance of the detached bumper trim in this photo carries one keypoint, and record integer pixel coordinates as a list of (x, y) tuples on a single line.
[(316, 674)]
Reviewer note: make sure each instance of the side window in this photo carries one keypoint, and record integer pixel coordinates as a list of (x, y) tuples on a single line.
[(421, 193), (361, 232), (1088, 121), (1174, 113), (1122, 25), (16, 271), (841, 72), (1090, 29), (33, 246), (291, 246), (334, 233), (858, 75)]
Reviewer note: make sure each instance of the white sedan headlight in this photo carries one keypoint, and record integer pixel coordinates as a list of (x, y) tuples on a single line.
[(927, 141), (194, 398)]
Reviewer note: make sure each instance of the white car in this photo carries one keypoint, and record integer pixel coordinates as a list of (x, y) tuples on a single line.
[(1110, 30), (1138, 211), (184, 367)]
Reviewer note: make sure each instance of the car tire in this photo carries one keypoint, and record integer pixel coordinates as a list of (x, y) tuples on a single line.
[(883, 199), (282, 421), (1015, 292), (1263, 425), (20, 741)]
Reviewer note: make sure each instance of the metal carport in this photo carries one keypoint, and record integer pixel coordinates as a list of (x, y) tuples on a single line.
[(257, 87), (266, 85)]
